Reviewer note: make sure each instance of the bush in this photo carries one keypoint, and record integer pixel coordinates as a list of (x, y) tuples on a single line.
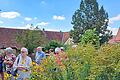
[(84, 63), (53, 44)]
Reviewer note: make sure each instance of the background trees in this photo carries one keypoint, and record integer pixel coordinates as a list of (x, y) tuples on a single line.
[(53, 44), (90, 36), (31, 39), (90, 16)]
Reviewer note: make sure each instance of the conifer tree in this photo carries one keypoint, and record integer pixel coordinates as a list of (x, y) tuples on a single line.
[(90, 16)]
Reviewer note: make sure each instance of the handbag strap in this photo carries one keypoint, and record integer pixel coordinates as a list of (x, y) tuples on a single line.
[(18, 60)]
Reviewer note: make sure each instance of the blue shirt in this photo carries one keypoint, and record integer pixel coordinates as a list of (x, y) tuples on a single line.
[(39, 56)]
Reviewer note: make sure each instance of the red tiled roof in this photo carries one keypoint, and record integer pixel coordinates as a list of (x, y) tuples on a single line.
[(7, 37), (58, 36), (54, 35), (112, 40), (66, 36), (117, 38)]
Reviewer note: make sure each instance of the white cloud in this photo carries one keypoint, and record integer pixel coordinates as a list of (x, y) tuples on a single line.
[(22, 22), (51, 30), (27, 26), (114, 30), (42, 24), (17, 27), (35, 18), (43, 2), (9, 15), (1, 22), (58, 17), (113, 19), (28, 19)]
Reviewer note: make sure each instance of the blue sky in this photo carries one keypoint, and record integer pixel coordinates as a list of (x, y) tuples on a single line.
[(52, 15)]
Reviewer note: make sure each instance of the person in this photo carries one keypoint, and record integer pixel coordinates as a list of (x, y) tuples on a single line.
[(1, 65), (57, 56), (39, 55), (51, 51), (63, 55), (9, 59), (23, 64)]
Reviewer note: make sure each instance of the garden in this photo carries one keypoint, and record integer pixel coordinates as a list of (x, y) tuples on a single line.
[(84, 63), (92, 59)]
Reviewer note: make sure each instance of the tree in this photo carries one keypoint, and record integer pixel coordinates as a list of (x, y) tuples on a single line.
[(90, 16), (90, 37), (53, 44), (31, 39)]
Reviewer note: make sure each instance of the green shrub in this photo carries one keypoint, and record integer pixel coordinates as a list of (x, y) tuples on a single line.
[(53, 44), (84, 63)]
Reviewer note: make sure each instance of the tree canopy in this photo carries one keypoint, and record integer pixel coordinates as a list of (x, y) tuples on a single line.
[(31, 39), (90, 16), (90, 37)]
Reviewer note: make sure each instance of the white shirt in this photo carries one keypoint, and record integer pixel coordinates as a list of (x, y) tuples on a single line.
[(27, 64)]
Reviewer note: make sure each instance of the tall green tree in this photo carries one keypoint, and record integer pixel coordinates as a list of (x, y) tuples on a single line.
[(90, 37), (90, 16), (31, 38)]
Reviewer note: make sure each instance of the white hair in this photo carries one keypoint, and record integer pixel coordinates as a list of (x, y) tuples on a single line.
[(9, 50), (57, 50), (24, 49), (39, 47)]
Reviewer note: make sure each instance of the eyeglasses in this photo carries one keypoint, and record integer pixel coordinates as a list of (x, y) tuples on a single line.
[(22, 51)]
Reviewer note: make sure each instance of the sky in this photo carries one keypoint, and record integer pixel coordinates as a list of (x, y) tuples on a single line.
[(52, 15)]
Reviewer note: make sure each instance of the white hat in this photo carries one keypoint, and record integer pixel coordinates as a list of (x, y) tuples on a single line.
[(57, 50), (9, 50), (62, 48)]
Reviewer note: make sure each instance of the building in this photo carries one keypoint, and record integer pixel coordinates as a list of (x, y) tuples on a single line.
[(115, 39), (8, 37)]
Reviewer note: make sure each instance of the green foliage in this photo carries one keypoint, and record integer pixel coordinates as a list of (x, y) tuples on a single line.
[(84, 63), (31, 39), (90, 36), (53, 44), (48, 70), (108, 59), (90, 16)]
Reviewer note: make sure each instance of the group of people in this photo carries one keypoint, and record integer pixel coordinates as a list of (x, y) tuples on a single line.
[(10, 63), (23, 63)]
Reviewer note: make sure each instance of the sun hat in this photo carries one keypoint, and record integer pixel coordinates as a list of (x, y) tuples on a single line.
[(62, 48), (57, 50), (9, 50)]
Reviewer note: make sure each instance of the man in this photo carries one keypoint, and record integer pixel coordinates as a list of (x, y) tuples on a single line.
[(39, 55)]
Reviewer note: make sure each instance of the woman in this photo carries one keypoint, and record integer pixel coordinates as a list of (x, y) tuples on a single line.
[(1, 66), (24, 64), (9, 59), (63, 55)]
